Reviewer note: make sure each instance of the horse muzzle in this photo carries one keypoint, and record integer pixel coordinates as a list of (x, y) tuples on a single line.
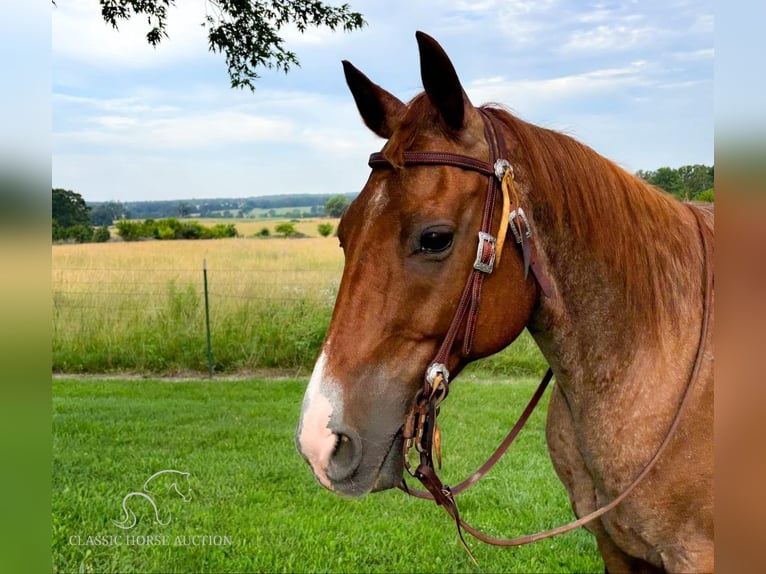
[(348, 458), (344, 466)]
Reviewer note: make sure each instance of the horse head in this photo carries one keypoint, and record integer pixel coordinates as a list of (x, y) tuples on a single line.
[(410, 243)]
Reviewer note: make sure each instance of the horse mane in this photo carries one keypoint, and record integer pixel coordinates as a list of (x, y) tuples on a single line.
[(636, 231)]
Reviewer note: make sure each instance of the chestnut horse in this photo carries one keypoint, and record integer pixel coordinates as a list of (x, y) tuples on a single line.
[(619, 320)]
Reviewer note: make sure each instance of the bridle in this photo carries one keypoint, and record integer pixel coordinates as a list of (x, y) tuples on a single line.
[(420, 431)]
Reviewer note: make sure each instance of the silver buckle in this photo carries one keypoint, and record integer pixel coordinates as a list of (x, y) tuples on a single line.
[(479, 265), (512, 222), (434, 370), (501, 166)]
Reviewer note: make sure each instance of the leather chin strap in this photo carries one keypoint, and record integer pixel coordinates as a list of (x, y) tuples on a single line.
[(420, 430)]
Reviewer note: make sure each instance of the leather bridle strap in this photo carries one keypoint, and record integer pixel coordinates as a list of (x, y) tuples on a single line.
[(500, 450), (377, 159)]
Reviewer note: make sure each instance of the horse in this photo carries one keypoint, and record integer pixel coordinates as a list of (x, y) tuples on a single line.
[(608, 275)]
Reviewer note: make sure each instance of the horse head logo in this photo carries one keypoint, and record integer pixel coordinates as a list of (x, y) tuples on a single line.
[(158, 483)]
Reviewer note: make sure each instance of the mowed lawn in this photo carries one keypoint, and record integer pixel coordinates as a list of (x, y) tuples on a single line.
[(254, 505)]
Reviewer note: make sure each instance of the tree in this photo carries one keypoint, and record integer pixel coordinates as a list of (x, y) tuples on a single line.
[(335, 206), (130, 230), (669, 180), (79, 233), (247, 32), (107, 213), (325, 229), (287, 229), (686, 183), (68, 208), (696, 179), (101, 234)]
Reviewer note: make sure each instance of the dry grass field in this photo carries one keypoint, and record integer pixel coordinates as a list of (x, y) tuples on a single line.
[(139, 306), (272, 262)]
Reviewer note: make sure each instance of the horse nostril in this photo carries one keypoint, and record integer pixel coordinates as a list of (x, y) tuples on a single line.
[(345, 457)]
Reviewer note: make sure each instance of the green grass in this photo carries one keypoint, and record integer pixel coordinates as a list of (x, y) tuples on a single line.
[(250, 485), (170, 337)]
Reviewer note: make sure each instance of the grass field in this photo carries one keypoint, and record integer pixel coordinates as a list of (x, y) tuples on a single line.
[(140, 306), (254, 505)]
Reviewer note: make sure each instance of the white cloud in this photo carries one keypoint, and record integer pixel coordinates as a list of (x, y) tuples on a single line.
[(311, 36), (695, 55), (116, 122), (123, 105), (176, 129), (526, 23), (610, 38), (703, 24), (214, 139), (534, 92)]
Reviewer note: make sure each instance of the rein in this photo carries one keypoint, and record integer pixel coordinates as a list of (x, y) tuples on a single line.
[(421, 431)]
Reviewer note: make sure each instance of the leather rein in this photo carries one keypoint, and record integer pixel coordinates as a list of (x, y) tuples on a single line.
[(420, 431)]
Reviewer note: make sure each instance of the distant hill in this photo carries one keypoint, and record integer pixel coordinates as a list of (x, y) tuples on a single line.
[(294, 206)]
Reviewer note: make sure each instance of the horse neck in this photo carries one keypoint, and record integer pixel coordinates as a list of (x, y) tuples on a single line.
[(624, 260)]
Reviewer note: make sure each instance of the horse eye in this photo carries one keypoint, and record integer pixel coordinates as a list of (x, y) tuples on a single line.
[(435, 240)]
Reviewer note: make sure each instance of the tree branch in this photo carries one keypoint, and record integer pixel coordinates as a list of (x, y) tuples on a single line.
[(245, 31)]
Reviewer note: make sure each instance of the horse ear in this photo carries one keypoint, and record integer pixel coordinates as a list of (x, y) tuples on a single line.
[(379, 109), (441, 82)]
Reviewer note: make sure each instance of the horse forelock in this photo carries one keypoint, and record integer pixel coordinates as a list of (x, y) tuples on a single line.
[(419, 117)]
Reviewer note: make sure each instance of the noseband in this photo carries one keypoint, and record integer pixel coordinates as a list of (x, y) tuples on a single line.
[(420, 430)]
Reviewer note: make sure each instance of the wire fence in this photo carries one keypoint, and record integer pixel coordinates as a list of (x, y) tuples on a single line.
[(235, 284), (154, 318)]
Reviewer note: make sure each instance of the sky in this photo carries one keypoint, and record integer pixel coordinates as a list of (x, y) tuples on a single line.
[(631, 79)]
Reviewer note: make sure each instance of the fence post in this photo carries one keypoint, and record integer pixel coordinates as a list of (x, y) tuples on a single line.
[(207, 321)]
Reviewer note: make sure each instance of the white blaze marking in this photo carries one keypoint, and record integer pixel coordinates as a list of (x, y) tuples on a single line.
[(315, 439), (375, 205), (378, 201)]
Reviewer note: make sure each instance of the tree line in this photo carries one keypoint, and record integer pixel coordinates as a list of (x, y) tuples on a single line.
[(687, 183), (76, 221), (172, 228), (313, 205)]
